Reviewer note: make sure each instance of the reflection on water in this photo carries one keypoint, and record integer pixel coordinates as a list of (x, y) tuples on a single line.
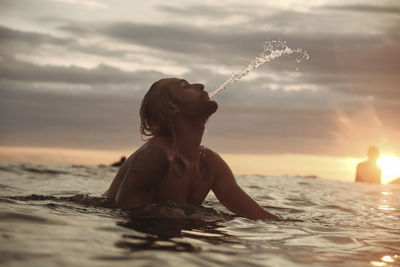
[(386, 261), (385, 202), (385, 208), (47, 219), (162, 227), (388, 258), (170, 234)]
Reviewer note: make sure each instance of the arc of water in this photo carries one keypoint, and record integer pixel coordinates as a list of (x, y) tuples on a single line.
[(269, 53)]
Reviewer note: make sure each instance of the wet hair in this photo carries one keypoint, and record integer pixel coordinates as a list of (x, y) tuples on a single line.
[(155, 111)]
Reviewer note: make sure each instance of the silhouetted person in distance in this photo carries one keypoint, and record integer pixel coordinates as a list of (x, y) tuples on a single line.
[(172, 166), (119, 163), (368, 171)]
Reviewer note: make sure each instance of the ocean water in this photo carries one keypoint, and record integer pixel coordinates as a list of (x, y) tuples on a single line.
[(51, 215)]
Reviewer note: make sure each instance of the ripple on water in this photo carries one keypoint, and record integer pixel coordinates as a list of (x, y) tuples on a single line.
[(342, 224), (7, 256), (23, 217), (338, 207), (340, 239)]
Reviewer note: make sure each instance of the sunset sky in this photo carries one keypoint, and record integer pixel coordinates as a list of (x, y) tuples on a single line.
[(73, 73)]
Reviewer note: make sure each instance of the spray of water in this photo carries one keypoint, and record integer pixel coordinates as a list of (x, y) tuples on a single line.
[(272, 49)]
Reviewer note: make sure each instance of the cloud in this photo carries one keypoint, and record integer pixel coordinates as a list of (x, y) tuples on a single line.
[(365, 8), (333, 131), (342, 62), (278, 122), (93, 120), (189, 43), (103, 74), (10, 35), (388, 112), (87, 3), (62, 119), (234, 46), (12, 40), (347, 89), (333, 65), (195, 10)]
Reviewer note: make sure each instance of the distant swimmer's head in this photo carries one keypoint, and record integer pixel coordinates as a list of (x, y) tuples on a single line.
[(171, 96), (373, 153)]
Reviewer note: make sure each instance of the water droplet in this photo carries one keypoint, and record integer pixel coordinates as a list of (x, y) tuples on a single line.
[(272, 49)]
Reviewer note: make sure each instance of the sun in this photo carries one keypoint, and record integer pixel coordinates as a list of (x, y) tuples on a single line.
[(390, 168)]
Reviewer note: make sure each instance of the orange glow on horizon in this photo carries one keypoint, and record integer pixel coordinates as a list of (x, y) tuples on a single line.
[(61, 155), (336, 168), (390, 168)]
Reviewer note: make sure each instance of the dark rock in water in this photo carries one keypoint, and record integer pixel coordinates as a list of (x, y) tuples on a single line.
[(119, 163), (311, 176), (43, 170), (395, 181)]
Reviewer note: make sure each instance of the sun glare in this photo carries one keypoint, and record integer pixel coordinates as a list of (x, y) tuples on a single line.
[(390, 168)]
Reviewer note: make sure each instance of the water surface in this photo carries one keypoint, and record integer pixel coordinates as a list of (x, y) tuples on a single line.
[(329, 223)]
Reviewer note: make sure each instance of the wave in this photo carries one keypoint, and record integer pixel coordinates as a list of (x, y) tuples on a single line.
[(151, 210), (16, 216)]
